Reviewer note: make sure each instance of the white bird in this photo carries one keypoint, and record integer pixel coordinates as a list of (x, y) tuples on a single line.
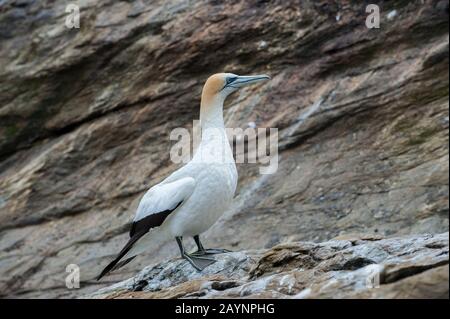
[(191, 199)]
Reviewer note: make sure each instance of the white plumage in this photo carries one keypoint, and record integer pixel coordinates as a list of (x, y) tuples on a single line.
[(164, 196)]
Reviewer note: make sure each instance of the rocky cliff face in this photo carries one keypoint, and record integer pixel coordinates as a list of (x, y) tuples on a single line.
[(354, 267), (85, 117)]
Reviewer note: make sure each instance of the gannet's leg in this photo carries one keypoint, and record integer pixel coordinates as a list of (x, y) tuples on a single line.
[(202, 251), (198, 263)]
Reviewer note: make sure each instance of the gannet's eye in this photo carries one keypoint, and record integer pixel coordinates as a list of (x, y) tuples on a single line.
[(231, 80)]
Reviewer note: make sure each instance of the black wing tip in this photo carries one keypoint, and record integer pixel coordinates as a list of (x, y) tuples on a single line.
[(114, 265), (107, 269), (100, 276)]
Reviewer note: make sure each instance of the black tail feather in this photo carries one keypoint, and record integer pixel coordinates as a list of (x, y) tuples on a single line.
[(138, 229), (116, 263), (108, 268)]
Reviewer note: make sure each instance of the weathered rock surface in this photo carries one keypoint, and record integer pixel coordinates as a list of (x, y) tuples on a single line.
[(85, 118), (358, 267)]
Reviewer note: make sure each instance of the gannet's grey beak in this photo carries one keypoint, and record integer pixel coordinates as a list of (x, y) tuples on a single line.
[(248, 79)]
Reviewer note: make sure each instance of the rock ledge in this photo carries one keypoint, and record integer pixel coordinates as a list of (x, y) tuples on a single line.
[(355, 266)]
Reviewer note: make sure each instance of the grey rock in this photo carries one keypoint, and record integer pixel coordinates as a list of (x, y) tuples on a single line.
[(364, 266)]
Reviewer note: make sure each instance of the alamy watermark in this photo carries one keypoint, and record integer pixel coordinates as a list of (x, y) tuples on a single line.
[(73, 278), (250, 145), (73, 17), (72, 20), (373, 19), (374, 273)]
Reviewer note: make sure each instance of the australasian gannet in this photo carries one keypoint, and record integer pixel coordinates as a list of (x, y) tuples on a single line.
[(191, 199)]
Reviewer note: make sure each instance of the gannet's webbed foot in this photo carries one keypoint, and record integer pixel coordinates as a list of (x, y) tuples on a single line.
[(197, 262), (211, 251), (202, 251)]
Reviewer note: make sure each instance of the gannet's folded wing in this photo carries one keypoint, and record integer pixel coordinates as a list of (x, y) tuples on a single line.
[(158, 203)]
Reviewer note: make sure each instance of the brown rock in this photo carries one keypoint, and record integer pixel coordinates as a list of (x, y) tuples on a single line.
[(431, 284)]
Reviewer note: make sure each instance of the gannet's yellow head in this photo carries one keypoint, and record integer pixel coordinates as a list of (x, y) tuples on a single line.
[(220, 85)]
